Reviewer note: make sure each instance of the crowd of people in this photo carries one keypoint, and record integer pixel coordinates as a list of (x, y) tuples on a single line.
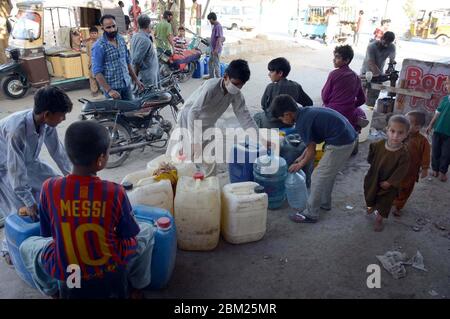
[(30, 185)]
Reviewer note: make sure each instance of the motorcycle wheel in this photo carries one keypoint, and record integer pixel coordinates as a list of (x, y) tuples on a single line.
[(14, 88), (120, 136)]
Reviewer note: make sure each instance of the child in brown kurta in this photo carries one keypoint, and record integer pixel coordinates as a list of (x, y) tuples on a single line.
[(419, 159), (389, 163)]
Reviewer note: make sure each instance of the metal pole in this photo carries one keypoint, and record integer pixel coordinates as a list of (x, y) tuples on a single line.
[(53, 26), (385, 9)]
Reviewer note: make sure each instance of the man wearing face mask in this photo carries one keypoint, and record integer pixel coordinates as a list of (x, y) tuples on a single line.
[(376, 56), (111, 63), (212, 99)]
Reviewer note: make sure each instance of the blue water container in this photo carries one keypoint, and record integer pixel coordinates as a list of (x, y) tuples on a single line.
[(240, 166), (165, 248), (296, 192), (288, 130), (223, 67), (198, 73), (270, 171), (291, 148), (206, 65), (17, 229)]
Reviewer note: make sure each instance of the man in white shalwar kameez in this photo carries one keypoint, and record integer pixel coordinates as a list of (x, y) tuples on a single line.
[(22, 135)]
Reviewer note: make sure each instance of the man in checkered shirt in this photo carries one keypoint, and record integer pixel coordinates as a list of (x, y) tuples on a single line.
[(111, 62)]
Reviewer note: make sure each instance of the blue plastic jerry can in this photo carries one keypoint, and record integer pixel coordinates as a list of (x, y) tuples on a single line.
[(165, 248), (270, 171), (223, 67), (17, 230), (198, 73), (206, 65)]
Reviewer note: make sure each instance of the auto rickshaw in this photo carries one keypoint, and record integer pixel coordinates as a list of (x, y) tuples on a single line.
[(313, 22), (431, 24), (46, 43)]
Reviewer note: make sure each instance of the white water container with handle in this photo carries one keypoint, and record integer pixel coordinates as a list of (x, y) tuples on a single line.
[(244, 212), (151, 193), (197, 212), (183, 166)]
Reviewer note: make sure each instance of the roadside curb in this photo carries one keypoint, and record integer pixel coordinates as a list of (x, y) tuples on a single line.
[(258, 46)]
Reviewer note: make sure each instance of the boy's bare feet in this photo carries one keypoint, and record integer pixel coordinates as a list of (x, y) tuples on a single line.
[(370, 210), (397, 212), (434, 174), (378, 223), (442, 177)]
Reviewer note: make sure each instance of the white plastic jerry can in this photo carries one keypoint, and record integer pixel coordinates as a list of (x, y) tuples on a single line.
[(151, 193), (197, 212), (135, 177), (183, 166), (244, 212)]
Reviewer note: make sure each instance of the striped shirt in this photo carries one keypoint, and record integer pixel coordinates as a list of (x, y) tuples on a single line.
[(91, 223)]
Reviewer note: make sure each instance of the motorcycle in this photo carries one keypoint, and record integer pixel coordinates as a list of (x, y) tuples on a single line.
[(186, 62), (138, 123)]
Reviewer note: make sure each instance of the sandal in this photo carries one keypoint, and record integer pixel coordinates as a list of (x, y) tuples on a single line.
[(7, 258), (300, 218)]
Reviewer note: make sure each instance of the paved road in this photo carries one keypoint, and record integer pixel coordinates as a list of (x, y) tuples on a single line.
[(326, 260)]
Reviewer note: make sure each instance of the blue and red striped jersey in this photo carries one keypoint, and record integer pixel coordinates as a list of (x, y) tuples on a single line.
[(92, 225)]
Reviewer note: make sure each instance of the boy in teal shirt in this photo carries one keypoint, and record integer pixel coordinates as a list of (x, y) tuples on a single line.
[(440, 154)]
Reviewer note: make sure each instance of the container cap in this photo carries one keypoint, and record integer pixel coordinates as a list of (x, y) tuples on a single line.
[(163, 222), (127, 185), (259, 189), (199, 175)]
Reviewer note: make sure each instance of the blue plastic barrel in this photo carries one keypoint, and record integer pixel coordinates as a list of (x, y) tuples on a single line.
[(296, 192), (243, 155), (198, 73), (270, 171), (206, 65), (17, 229), (165, 248), (223, 67)]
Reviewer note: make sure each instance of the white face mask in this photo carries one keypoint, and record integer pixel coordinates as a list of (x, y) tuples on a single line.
[(231, 88)]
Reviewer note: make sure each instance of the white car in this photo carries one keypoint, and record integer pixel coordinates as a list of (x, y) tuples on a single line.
[(236, 16)]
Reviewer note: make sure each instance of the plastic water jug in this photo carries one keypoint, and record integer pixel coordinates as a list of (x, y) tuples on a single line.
[(291, 148), (206, 65), (17, 229), (270, 172), (244, 212), (197, 212), (165, 247), (365, 130), (184, 168), (135, 177), (150, 192), (198, 72), (243, 155), (297, 194)]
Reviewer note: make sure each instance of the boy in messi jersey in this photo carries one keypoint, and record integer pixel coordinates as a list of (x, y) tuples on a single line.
[(87, 221)]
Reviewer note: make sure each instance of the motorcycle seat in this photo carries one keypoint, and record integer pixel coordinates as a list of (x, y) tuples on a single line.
[(155, 99), (112, 105)]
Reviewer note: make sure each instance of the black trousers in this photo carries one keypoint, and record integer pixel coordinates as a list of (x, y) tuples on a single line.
[(440, 155)]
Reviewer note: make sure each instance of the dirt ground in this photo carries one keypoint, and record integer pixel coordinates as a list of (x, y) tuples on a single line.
[(324, 260)]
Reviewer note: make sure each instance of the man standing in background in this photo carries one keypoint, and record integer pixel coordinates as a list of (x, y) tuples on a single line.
[(164, 34), (358, 28), (216, 46), (194, 8), (5, 11), (143, 53)]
